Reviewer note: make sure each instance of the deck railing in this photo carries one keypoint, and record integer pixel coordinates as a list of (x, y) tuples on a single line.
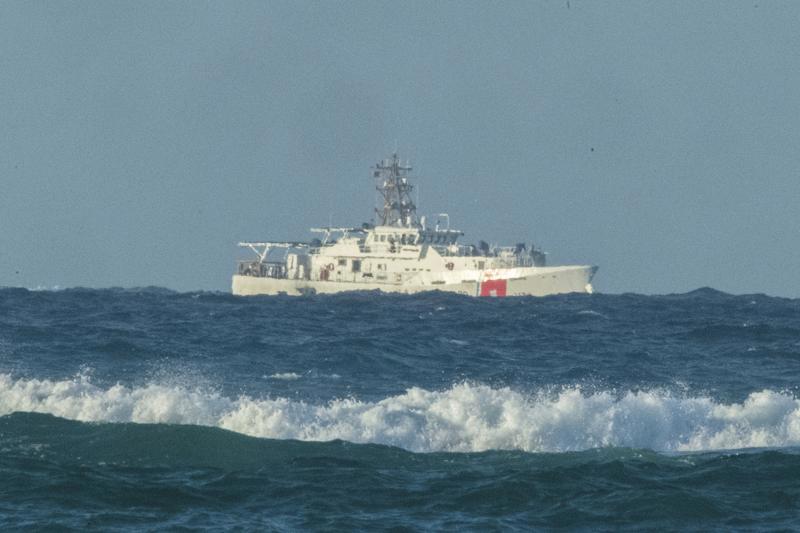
[(258, 269)]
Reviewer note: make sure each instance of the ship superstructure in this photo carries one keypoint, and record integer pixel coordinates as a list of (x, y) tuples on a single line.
[(402, 253)]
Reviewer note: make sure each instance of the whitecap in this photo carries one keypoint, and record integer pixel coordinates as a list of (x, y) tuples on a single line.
[(592, 313), (457, 342), (288, 376), (466, 417)]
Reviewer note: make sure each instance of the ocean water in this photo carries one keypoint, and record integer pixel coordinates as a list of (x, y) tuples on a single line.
[(150, 409)]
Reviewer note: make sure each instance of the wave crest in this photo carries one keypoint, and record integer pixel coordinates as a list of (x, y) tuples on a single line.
[(464, 418)]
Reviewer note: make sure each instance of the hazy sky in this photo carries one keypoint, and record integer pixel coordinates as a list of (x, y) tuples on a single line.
[(139, 141)]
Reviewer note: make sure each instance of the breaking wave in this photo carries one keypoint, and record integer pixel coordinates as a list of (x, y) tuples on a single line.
[(464, 418)]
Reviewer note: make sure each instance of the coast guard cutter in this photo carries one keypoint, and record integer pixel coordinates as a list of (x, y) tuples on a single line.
[(403, 254)]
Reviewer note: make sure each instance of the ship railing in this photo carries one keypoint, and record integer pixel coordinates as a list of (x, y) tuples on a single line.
[(329, 232), (504, 257), (261, 269)]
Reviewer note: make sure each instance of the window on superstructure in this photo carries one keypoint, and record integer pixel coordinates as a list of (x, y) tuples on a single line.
[(356, 265), (342, 262)]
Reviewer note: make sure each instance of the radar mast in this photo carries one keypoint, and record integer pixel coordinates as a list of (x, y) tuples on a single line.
[(398, 208)]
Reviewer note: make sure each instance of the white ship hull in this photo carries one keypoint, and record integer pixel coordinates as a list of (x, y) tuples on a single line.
[(520, 281)]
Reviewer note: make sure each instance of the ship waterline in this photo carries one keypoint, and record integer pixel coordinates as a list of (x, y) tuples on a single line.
[(402, 254)]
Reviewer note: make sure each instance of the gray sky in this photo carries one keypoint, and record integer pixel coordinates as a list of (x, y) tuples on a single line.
[(139, 141)]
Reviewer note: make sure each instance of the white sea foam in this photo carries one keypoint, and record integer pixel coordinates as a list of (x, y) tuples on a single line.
[(42, 288), (464, 418), (457, 342), (287, 376), (592, 313)]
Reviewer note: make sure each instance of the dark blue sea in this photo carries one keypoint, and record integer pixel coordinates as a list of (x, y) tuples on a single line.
[(150, 409)]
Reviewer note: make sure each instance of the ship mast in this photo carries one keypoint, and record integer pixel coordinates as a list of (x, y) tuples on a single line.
[(398, 208)]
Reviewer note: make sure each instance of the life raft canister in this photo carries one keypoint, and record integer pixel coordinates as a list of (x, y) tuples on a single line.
[(330, 266)]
